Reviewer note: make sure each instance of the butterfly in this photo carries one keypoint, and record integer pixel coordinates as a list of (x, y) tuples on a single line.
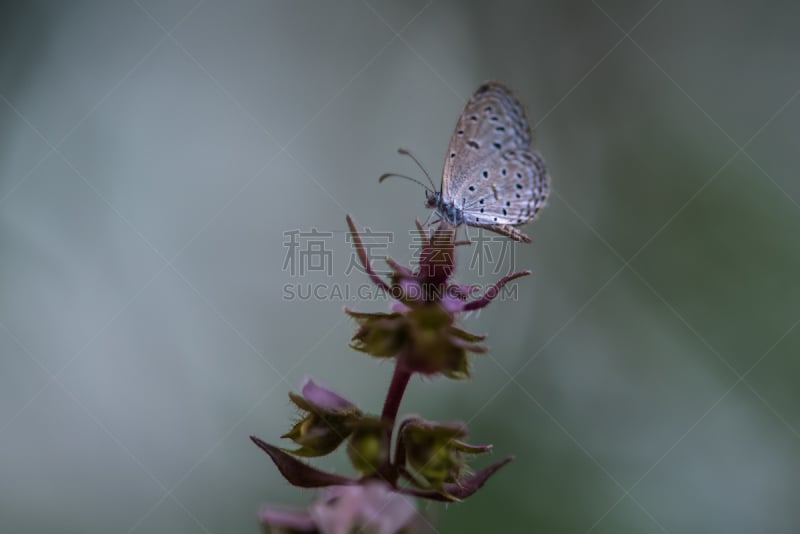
[(491, 178)]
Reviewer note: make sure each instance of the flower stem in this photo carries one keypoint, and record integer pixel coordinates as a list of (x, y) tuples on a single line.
[(391, 406), (395, 395)]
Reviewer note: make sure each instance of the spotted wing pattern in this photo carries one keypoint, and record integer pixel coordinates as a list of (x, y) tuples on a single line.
[(490, 172)]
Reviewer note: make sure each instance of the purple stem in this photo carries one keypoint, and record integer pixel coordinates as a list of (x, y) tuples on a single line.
[(391, 406)]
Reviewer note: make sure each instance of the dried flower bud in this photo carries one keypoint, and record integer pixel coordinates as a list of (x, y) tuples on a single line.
[(437, 257), (435, 452), (327, 422), (430, 283)]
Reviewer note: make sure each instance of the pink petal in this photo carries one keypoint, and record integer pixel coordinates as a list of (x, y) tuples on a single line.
[(370, 507), (287, 519), (324, 398)]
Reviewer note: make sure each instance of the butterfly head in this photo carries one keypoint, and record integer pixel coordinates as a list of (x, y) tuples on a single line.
[(432, 199)]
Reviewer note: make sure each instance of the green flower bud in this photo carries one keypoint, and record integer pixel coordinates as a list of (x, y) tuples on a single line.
[(327, 422), (437, 345), (382, 335), (367, 446), (425, 337), (435, 452)]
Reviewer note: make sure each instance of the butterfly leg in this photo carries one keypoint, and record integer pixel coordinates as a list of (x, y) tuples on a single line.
[(466, 233), (428, 218), (429, 222), (466, 227)]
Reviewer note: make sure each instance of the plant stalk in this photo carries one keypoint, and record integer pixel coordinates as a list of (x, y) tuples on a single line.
[(391, 406)]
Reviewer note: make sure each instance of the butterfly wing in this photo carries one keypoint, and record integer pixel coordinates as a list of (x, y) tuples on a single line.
[(490, 172), (513, 198)]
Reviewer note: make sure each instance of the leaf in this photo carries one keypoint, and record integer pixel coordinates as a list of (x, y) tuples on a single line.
[(299, 474)]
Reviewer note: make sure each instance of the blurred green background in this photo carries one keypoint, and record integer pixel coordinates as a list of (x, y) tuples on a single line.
[(153, 153)]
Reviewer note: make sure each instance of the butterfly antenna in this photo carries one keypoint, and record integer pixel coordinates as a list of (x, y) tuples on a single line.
[(406, 152), (389, 175)]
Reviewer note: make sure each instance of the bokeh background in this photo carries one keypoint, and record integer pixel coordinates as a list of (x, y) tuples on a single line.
[(153, 153)]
